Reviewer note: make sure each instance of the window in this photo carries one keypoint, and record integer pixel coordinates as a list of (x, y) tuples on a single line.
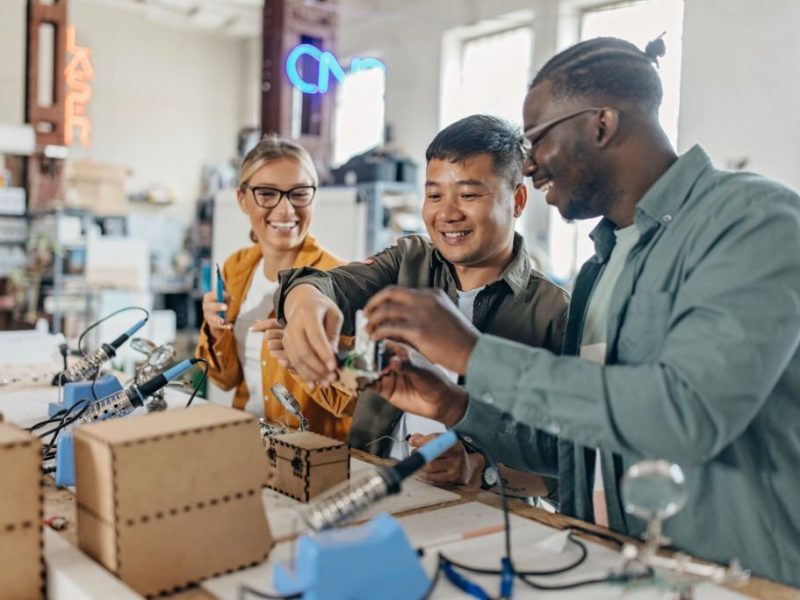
[(488, 74), (640, 22), (359, 116), (637, 22)]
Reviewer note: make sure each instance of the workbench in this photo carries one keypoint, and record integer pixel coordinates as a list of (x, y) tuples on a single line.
[(75, 576)]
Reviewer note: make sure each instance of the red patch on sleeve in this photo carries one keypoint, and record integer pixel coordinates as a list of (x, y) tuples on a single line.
[(369, 261)]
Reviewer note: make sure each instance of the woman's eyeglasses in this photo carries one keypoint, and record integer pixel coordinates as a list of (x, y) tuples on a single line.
[(269, 197)]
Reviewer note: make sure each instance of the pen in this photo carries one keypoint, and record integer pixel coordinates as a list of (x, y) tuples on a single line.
[(220, 291), (465, 535)]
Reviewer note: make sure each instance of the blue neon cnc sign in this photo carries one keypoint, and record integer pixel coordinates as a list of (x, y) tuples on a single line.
[(328, 65)]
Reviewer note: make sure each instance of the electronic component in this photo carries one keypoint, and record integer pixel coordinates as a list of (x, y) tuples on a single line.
[(363, 364), (158, 359), (269, 429), (290, 404), (348, 500)]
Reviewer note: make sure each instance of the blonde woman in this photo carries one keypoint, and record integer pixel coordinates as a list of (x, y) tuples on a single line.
[(277, 188)]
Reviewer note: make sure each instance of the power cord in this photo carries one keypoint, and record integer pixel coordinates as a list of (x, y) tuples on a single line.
[(199, 383), (63, 422), (244, 590), (508, 572)]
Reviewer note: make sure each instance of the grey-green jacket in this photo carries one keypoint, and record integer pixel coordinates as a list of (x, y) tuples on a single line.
[(702, 369)]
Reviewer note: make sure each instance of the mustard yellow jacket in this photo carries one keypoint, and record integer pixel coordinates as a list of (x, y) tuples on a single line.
[(225, 369)]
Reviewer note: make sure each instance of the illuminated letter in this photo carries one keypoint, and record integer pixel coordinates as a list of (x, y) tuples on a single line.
[(328, 64), (291, 67), (77, 74), (361, 64)]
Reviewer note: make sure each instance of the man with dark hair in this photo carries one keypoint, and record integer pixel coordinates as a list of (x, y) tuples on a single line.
[(684, 327), (474, 193)]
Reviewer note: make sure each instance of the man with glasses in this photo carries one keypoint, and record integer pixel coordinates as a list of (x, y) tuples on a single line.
[(473, 195), (683, 329)]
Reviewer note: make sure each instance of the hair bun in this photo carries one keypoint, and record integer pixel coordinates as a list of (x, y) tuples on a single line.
[(656, 48)]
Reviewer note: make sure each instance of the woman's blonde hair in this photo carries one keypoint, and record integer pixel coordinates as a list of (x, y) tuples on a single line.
[(273, 147)]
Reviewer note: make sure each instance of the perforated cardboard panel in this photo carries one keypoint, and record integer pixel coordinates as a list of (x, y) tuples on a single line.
[(302, 465), (169, 499), (21, 541)]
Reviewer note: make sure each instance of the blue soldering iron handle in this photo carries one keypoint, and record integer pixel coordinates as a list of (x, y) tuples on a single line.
[(220, 291), (438, 446), (425, 454)]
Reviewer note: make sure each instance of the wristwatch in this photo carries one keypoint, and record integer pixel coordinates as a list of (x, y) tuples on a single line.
[(489, 477)]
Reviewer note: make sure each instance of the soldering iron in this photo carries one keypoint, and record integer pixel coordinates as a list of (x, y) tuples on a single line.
[(342, 504), (89, 364), (133, 396)]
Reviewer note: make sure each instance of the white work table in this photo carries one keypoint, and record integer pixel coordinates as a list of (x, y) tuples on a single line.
[(429, 515)]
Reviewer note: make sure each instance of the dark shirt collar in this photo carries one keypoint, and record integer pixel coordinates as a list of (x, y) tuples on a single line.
[(516, 274), (661, 203)]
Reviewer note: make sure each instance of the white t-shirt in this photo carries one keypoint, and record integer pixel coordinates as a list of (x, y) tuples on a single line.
[(256, 306), (410, 423), (595, 326)]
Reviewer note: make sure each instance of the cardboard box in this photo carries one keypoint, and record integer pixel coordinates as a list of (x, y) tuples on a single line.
[(22, 574), (302, 464), (168, 499), (96, 186)]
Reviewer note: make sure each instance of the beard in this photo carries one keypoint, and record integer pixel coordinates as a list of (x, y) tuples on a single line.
[(594, 191)]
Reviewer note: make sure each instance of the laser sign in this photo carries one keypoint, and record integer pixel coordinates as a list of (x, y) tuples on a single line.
[(78, 74), (328, 66)]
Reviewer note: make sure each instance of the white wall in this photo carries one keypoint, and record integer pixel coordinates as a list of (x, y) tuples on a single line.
[(407, 36), (12, 66), (165, 100), (740, 89)]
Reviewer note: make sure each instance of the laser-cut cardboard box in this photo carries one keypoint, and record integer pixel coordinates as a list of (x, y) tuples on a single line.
[(168, 499), (22, 572), (302, 464)]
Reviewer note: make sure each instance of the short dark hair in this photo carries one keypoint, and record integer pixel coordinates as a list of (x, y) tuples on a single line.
[(482, 134), (607, 69)]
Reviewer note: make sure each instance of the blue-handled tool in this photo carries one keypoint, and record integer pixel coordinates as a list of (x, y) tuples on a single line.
[(220, 291)]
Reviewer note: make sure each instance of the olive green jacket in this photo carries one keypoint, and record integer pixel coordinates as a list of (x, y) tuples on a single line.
[(522, 305), (702, 369)]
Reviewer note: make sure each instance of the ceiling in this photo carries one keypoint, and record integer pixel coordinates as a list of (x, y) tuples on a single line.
[(236, 18), (242, 18)]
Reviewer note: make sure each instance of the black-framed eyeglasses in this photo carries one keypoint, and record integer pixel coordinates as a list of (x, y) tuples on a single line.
[(537, 133), (269, 197)]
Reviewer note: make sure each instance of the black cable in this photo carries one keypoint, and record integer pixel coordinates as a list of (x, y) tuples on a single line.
[(96, 324), (564, 569), (524, 575), (56, 416), (64, 422), (60, 417), (611, 578), (199, 383), (246, 589), (563, 586), (598, 534), (507, 573), (94, 383), (106, 318), (435, 579)]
